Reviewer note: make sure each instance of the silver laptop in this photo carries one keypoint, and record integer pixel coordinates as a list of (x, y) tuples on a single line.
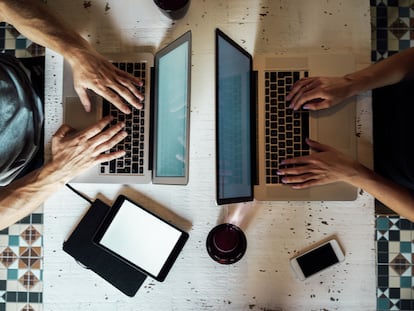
[(256, 131), (157, 145)]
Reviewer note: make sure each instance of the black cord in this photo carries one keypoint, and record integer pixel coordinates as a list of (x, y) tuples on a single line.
[(83, 196)]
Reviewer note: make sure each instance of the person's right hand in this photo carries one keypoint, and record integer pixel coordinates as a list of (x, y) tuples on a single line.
[(74, 152), (318, 92), (323, 166)]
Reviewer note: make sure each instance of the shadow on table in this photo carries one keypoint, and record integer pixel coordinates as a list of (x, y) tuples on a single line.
[(152, 206), (240, 214)]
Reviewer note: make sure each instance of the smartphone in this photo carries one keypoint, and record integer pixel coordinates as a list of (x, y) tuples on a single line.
[(140, 238), (317, 259)]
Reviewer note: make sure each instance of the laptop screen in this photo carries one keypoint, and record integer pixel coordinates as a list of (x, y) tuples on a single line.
[(172, 107), (233, 122)]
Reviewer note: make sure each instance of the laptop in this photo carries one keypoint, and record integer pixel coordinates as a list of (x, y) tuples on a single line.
[(157, 147), (255, 131)]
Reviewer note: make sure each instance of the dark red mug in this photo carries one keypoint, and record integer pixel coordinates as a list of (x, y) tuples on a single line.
[(226, 243), (174, 9)]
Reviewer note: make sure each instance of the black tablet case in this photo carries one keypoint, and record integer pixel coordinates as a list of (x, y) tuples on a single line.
[(80, 246)]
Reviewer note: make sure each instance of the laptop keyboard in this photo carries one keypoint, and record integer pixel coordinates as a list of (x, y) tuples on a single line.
[(286, 130), (133, 144)]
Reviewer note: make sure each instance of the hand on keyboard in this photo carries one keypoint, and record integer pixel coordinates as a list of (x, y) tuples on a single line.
[(318, 93), (74, 152), (325, 166), (92, 71)]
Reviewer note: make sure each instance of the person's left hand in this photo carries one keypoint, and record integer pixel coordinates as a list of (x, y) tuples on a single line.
[(93, 71), (325, 166), (73, 152)]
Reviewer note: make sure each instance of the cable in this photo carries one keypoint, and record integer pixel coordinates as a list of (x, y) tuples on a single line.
[(83, 196)]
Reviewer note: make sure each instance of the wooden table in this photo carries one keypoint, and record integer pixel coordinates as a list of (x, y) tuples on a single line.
[(262, 280)]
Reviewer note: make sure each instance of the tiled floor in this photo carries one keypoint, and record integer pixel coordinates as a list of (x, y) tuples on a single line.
[(21, 265), (21, 256), (393, 31), (11, 41), (395, 263)]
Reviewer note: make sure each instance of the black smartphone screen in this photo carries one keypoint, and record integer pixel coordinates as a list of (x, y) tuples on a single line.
[(317, 260)]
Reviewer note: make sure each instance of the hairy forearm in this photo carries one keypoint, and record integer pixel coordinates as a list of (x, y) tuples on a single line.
[(396, 197), (34, 20), (386, 72), (25, 195)]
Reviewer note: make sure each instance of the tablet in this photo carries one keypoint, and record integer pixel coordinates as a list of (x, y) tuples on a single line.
[(140, 238)]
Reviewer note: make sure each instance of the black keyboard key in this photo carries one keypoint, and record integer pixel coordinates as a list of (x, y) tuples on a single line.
[(129, 67), (296, 76), (305, 130), (112, 167), (105, 108)]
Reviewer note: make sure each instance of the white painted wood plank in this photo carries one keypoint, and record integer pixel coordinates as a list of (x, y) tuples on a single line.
[(275, 230)]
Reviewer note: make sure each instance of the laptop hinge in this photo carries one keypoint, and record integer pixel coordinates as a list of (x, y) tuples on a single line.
[(254, 125), (151, 118)]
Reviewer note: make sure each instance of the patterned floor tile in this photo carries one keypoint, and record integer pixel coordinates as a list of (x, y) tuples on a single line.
[(392, 24), (395, 262), (21, 266), (21, 257), (14, 43)]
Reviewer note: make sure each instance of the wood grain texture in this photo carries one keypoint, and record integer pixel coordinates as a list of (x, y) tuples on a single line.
[(275, 231)]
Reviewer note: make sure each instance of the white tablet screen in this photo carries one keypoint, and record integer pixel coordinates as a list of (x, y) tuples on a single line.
[(140, 237)]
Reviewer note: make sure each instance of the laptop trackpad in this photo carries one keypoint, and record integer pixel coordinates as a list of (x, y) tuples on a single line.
[(336, 126), (75, 115)]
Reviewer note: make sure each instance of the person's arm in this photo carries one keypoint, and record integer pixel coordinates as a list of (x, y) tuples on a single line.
[(72, 153), (323, 92), (327, 165), (91, 70), (396, 197)]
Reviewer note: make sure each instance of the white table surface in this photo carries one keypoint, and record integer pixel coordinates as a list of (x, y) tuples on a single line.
[(275, 231)]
